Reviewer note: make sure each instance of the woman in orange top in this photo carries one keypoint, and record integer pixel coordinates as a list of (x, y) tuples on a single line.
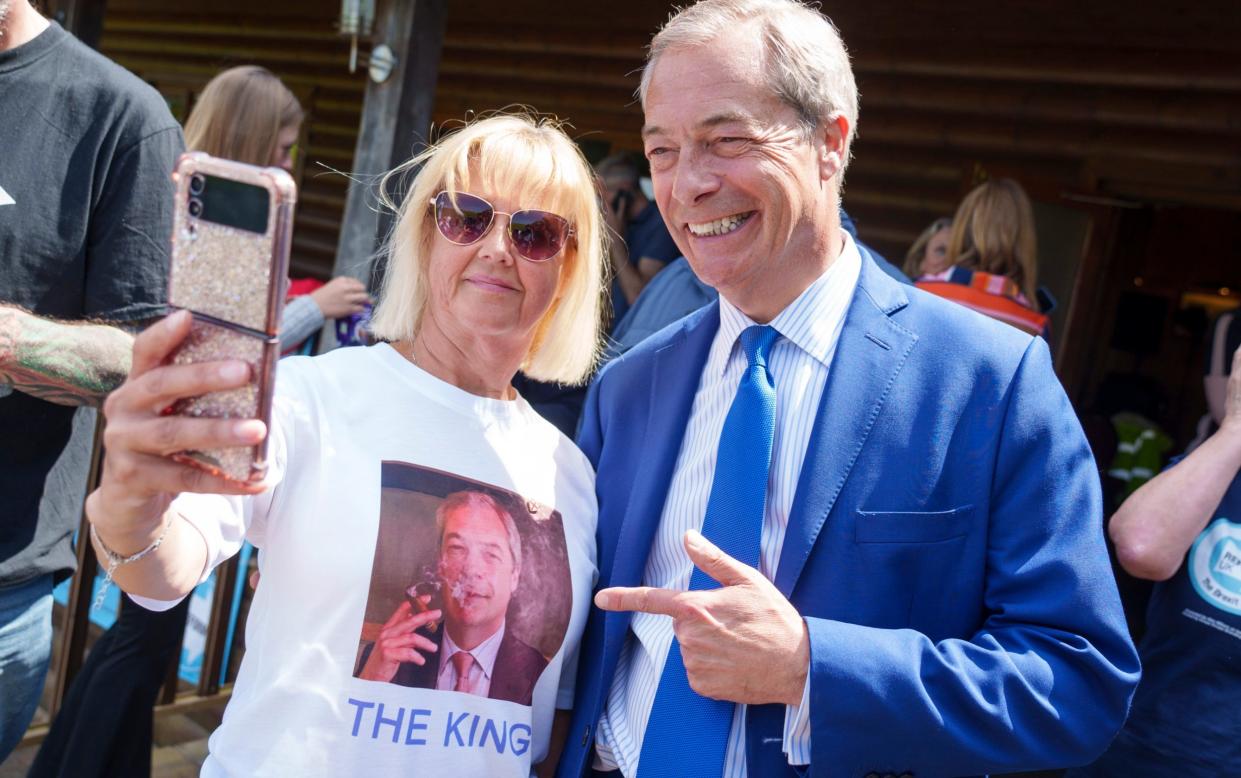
[(994, 257)]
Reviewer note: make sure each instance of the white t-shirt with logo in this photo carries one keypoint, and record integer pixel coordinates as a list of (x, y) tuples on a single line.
[(364, 446)]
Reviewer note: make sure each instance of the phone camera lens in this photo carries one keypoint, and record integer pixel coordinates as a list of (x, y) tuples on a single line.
[(197, 184), (196, 207)]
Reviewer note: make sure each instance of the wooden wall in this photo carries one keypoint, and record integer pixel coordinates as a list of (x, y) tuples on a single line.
[(1099, 96), (1096, 96), (1116, 98)]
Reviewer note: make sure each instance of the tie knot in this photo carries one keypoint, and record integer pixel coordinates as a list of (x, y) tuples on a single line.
[(756, 342), (462, 661)]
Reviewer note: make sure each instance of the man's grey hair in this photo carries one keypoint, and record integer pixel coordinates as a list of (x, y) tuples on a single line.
[(475, 501), (806, 61)]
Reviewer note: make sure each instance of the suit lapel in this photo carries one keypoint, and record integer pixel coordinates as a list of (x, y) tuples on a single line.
[(870, 354), (674, 378)]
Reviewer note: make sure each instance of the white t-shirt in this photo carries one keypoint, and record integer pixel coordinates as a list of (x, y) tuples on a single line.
[(365, 446)]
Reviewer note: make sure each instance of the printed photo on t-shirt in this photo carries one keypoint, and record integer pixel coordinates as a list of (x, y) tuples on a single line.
[(470, 587)]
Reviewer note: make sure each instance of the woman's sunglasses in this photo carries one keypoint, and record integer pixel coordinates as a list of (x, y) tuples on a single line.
[(465, 218)]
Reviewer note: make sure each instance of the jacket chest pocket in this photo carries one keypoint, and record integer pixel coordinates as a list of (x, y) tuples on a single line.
[(917, 569), (912, 526)]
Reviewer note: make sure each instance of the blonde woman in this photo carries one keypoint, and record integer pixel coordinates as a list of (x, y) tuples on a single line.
[(415, 450), (993, 257)]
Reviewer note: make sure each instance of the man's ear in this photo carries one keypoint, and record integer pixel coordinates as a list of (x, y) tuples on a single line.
[(833, 133)]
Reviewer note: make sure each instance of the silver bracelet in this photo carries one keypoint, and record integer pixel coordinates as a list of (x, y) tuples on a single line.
[(115, 560)]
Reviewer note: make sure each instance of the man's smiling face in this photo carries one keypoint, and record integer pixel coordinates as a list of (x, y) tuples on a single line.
[(743, 186)]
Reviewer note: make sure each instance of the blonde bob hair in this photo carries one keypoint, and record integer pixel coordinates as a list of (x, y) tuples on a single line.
[(534, 162), (993, 231), (240, 114)]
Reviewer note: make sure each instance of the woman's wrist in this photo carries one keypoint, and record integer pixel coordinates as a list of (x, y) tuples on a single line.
[(123, 538), (126, 544)]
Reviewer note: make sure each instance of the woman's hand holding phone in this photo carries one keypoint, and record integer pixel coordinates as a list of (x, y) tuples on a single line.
[(139, 477)]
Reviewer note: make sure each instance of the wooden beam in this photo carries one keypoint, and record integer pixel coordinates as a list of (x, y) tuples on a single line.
[(420, 78), (1002, 134), (76, 624), (146, 25), (541, 39), (215, 646), (395, 115), (1196, 71), (1084, 104)]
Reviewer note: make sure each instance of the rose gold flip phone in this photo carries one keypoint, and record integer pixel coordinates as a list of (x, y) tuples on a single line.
[(230, 255)]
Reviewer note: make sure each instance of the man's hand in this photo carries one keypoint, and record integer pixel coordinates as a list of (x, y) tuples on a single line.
[(614, 218), (743, 642), (399, 642)]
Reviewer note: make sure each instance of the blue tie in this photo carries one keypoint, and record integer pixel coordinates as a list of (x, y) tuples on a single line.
[(687, 734)]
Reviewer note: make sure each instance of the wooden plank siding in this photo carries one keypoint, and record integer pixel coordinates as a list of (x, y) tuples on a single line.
[(1091, 96), (1085, 96)]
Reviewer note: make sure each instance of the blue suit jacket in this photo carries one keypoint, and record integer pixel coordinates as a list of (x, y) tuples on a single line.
[(945, 545)]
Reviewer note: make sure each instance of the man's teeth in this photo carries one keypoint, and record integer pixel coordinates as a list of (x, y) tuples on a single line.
[(719, 226)]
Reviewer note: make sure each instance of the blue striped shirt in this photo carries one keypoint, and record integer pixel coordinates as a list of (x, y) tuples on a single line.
[(810, 328)]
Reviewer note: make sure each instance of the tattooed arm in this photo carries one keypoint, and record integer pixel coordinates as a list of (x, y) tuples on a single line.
[(61, 362)]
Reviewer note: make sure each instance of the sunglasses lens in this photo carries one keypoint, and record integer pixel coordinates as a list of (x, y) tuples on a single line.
[(462, 219), (538, 235)]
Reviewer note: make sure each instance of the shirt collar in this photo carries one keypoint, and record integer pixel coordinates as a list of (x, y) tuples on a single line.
[(812, 322), (484, 653)]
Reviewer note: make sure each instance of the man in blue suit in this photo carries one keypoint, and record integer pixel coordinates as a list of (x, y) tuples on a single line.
[(845, 528)]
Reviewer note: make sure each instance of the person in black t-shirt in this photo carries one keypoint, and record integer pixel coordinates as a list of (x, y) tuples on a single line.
[(85, 215), (1182, 529), (105, 724)]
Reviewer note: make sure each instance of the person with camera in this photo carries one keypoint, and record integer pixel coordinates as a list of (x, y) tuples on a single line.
[(641, 246)]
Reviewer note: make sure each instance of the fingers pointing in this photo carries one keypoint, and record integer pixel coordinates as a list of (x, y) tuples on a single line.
[(647, 599), (708, 558)]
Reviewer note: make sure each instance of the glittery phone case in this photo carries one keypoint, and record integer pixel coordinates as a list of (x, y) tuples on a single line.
[(230, 251)]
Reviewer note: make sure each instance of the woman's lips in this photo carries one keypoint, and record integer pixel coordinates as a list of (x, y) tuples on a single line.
[(491, 284)]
